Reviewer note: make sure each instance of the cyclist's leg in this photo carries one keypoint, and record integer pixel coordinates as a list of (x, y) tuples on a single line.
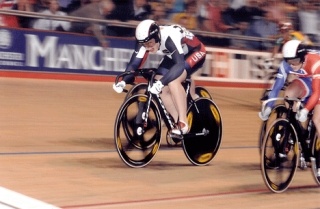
[(167, 100), (179, 97), (177, 93)]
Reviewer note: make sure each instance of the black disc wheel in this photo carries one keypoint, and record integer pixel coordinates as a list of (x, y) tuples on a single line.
[(279, 155), (137, 133), (203, 141)]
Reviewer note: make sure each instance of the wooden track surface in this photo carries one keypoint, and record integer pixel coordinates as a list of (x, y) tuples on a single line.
[(56, 145)]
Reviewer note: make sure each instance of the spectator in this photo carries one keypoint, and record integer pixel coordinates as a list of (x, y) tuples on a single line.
[(41, 5), (236, 4), (277, 8), (266, 27), (291, 11), (8, 20), (97, 10), (309, 19), (50, 24), (249, 12), (213, 22), (243, 13), (74, 5), (202, 13), (158, 13), (123, 11), (129, 10), (188, 18), (27, 6), (141, 9), (288, 33), (177, 6)]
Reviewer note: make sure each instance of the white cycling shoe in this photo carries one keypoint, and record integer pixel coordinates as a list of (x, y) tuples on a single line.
[(181, 128)]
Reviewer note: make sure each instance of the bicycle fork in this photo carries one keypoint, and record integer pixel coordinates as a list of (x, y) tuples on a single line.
[(142, 116)]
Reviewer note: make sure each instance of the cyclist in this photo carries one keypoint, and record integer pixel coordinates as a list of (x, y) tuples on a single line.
[(298, 85), (183, 54), (305, 64), (288, 33)]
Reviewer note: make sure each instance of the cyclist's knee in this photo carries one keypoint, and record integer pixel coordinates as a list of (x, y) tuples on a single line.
[(166, 90), (295, 91)]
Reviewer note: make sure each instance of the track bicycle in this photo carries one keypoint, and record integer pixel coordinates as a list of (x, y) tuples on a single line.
[(137, 129), (141, 88), (287, 141)]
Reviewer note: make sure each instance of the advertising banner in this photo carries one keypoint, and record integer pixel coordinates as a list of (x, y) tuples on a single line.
[(27, 50), (31, 50)]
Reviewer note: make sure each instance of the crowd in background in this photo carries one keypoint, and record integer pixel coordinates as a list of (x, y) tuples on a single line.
[(252, 18)]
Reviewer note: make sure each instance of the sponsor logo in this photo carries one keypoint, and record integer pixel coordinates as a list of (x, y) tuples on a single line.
[(198, 56), (6, 39)]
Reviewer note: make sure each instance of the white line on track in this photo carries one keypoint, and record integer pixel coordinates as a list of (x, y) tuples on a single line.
[(13, 200)]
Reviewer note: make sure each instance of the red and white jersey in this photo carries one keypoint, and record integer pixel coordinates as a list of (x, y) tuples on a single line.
[(312, 68), (176, 43), (173, 38)]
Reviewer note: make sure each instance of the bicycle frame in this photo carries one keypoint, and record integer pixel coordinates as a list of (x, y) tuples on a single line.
[(139, 129), (149, 74), (285, 140), (305, 135)]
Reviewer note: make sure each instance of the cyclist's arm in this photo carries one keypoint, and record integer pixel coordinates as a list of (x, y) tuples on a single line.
[(137, 59), (314, 98), (178, 58), (279, 82)]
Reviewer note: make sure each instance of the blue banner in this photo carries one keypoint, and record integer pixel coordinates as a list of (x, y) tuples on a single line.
[(46, 51)]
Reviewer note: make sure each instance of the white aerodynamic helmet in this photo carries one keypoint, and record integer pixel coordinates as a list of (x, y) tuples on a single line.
[(146, 30), (294, 49)]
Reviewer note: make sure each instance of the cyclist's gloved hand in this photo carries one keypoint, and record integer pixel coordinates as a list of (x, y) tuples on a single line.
[(264, 115), (119, 86), (156, 87), (302, 115)]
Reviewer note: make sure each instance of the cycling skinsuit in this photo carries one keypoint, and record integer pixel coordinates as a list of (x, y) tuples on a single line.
[(181, 50), (308, 78)]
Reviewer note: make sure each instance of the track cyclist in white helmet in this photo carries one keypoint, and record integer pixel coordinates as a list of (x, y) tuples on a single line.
[(305, 64), (183, 54), (300, 82)]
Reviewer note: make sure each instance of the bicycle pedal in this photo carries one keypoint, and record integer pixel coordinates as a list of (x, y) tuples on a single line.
[(176, 138), (302, 163)]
